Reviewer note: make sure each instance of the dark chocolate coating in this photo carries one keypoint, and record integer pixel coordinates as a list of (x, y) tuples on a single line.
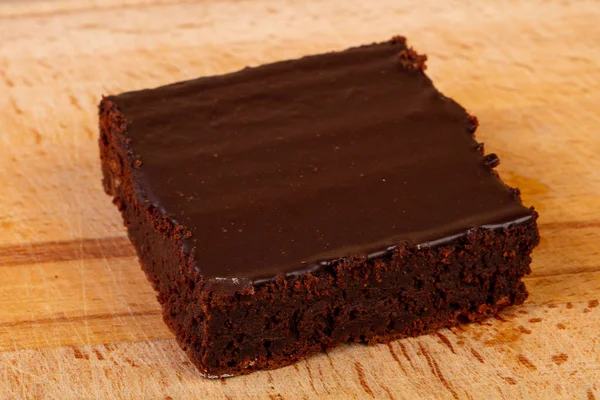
[(281, 168)]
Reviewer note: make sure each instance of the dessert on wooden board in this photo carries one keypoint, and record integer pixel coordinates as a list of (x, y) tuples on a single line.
[(283, 209)]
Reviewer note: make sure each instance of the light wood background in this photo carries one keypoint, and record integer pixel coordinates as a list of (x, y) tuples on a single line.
[(78, 318)]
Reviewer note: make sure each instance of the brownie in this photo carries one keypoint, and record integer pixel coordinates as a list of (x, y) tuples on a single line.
[(281, 210)]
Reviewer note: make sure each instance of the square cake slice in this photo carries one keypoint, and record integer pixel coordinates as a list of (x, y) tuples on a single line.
[(284, 209)]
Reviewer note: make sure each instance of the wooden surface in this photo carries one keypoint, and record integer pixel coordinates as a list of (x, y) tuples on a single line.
[(78, 318)]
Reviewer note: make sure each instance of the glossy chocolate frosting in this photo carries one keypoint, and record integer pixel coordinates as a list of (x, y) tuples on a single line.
[(279, 169)]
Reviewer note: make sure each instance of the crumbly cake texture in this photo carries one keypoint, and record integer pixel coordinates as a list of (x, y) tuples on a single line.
[(281, 210)]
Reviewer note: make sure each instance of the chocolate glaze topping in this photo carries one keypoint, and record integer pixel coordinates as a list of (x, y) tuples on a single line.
[(282, 168)]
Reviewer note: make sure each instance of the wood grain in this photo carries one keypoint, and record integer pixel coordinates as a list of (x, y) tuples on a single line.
[(78, 318)]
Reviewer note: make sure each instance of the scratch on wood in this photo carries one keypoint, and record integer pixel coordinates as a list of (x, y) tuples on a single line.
[(446, 341), (110, 347), (361, 378), (15, 107), (99, 354), (131, 74), (535, 320), (509, 380), (526, 362), (37, 135), (435, 369), (405, 353), (310, 375), (395, 357), (499, 318), (75, 102), (91, 133), (6, 79), (477, 356), (69, 250), (560, 359), (524, 330), (389, 392), (79, 354), (330, 361), (131, 362)]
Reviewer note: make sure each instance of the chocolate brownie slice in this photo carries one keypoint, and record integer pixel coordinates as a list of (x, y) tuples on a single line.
[(284, 209)]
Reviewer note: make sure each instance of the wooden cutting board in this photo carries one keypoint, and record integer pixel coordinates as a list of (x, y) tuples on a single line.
[(78, 318)]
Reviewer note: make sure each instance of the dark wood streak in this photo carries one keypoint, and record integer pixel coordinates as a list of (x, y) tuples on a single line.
[(560, 358), (499, 318), (388, 391), (509, 380), (558, 225), (526, 362), (330, 361), (395, 357), (451, 329), (361, 378), (405, 354), (477, 356), (82, 10), (310, 377), (435, 369), (79, 354), (64, 319), (15, 107), (8, 82), (99, 355), (590, 395), (563, 272), (446, 341), (75, 102), (68, 250)]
